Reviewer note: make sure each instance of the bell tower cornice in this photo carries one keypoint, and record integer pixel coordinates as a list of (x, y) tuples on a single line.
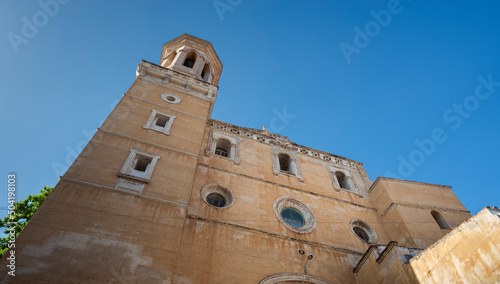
[(180, 82)]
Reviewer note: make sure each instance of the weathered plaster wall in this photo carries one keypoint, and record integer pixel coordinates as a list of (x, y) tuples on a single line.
[(468, 254)]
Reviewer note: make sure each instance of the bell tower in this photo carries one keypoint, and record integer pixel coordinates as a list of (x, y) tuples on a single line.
[(192, 56), (141, 163)]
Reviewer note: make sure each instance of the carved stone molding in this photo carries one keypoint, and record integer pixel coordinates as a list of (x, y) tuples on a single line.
[(234, 140), (267, 137), (370, 232), (219, 189), (332, 169), (292, 278), (172, 79), (310, 221), (295, 167)]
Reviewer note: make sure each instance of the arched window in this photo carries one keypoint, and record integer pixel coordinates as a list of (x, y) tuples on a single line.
[(292, 278), (170, 59), (360, 232), (342, 179), (217, 195), (223, 148), (205, 73), (285, 163), (190, 60), (439, 220), (363, 231)]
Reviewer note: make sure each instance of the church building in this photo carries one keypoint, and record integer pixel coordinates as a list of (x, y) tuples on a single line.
[(163, 193)]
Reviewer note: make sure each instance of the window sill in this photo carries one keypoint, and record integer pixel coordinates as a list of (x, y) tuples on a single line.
[(348, 191), (133, 177), (161, 130), (289, 174)]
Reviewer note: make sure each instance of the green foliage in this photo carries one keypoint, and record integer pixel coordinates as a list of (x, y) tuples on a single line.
[(22, 213)]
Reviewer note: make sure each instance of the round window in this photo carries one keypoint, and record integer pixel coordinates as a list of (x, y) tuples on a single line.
[(294, 215), (363, 231), (216, 199), (217, 195), (170, 98)]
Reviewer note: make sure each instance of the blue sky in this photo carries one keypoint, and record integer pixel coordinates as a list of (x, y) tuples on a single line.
[(408, 88)]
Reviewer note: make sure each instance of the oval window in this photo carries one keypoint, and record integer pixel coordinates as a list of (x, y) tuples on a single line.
[(170, 98)]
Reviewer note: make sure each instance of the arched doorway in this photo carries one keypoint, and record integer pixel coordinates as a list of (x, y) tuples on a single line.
[(293, 278)]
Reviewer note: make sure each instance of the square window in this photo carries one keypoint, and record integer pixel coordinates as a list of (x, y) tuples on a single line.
[(161, 122), (139, 165)]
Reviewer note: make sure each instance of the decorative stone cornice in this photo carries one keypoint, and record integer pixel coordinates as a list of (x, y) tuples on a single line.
[(267, 137), (177, 81)]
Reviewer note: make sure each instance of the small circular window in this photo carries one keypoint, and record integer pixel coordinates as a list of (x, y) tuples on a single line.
[(363, 231), (217, 195), (216, 199), (294, 215), (170, 98)]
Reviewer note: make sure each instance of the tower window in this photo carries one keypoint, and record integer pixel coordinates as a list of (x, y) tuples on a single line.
[(139, 164), (285, 164), (142, 164), (161, 120), (171, 98), (223, 148), (190, 60), (158, 121), (440, 220), (205, 73), (216, 199), (170, 59)]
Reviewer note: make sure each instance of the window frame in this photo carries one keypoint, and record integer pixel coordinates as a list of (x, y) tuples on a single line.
[(349, 179), (293, 167), (218, 189), (234, 151), (440, 220), (130, 182), (310, 221), (150, 124), (370, 232)]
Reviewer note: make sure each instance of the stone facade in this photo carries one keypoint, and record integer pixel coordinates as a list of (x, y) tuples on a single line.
[(470, 253), (195, 200)]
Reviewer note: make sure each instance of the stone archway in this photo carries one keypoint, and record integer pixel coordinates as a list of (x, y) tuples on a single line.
[(293, 278)]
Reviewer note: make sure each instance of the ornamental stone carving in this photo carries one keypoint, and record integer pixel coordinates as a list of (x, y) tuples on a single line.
[(267, 137)]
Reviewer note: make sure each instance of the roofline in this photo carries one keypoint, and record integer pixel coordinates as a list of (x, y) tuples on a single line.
[(258, 131), (404, 180)]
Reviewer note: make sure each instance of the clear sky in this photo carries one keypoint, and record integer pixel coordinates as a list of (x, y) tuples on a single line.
[(409, 88)]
